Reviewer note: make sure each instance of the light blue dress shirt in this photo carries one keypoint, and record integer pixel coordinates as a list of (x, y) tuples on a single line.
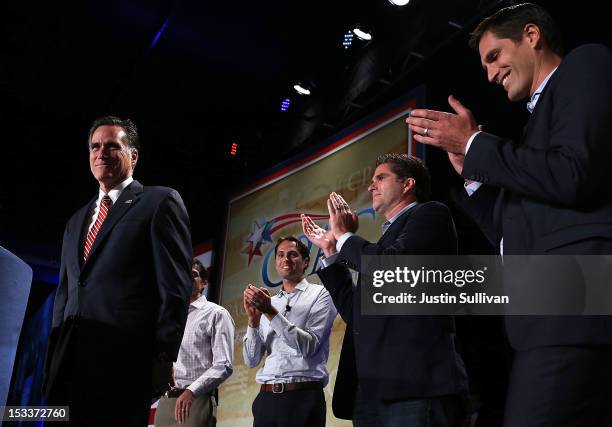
[(296, 339)]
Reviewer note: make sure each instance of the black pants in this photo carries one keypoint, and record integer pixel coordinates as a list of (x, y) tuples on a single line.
[(440, 411), (299, 408), (104, 379), (559, 387)]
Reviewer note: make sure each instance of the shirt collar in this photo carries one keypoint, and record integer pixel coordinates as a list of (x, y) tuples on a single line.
[(388, 222), (116, 191), (199, 303), (404, 209), (300, 287), (536, 95)]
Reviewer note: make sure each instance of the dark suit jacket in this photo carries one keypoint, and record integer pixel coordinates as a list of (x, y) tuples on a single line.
[(395, 357), (128, 302), (550, 193)]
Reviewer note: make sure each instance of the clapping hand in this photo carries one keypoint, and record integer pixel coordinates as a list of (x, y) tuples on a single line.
[(253, 314), (260, 299), (341, 218), (448, 131), (321, 238)]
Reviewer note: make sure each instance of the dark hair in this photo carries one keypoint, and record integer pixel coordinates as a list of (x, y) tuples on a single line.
[(299, 245), (509, 23), (406, 166), (201, 269), (131, 139)]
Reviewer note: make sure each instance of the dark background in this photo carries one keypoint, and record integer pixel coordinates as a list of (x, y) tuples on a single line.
[(216, 74)]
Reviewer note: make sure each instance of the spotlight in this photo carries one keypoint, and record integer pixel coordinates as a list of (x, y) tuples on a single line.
[(301, 89), (399, 2), (348, 39), (362, 33)]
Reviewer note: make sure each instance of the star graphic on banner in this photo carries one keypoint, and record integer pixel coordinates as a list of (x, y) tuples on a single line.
[(260, 234)]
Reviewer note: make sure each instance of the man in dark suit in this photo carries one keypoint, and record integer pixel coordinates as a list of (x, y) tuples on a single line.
[(546, 194), (125, 280), (393, 370)]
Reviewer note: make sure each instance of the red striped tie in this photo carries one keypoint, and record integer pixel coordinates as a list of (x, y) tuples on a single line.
[(105, 205)]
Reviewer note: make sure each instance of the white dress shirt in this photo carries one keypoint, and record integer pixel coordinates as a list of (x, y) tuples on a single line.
[(296, 339), (114, 196), (205, 358)]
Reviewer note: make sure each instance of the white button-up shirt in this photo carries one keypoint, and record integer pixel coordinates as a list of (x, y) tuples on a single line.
[(205, 358), (113, 194), (297, 338)]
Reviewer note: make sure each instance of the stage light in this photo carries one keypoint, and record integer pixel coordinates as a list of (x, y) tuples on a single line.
[(301, 89), (159, 33), (348, 39), (399, 2), (285, 104), (362, 34), (234, 149)]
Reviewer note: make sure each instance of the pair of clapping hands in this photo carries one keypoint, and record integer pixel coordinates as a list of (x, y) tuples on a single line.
[(341, 220), (257, 301)]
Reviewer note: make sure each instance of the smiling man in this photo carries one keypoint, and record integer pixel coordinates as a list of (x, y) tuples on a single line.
[(545, 194), (294, 330), (125, 280)]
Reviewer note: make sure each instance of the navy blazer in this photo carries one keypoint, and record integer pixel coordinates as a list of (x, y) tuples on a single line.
[(550, 192), (134, 288), (553, 187), (395, 357)]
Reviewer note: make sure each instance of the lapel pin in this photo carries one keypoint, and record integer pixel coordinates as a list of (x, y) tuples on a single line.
[(128, 201)]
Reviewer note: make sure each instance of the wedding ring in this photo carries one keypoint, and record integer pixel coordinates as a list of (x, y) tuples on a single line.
[(425, 132)]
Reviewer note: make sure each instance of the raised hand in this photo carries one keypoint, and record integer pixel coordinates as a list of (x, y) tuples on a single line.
[(319, 237), (457, 160), (253, 314), (341, 218), (447, 131), (260, 299)]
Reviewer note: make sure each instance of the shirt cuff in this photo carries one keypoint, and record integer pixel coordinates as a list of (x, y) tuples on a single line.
[(193, 388), (469, 143), (472, 187), (343, 239), (201, 386), (327, 261)]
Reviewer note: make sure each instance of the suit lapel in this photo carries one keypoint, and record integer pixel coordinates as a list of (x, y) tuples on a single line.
[(398, 224), (525, 130), (129, 197), (533, 115)]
